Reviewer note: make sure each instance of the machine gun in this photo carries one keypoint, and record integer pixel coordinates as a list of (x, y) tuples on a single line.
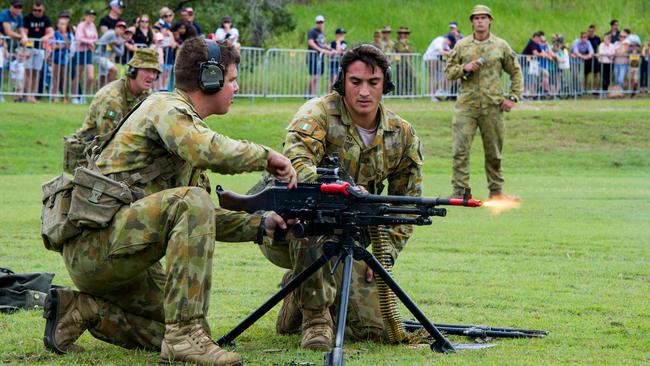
[(332, 207), (327, 208)]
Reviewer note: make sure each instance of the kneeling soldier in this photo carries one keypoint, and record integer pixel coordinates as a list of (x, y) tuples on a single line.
[(127, 297)]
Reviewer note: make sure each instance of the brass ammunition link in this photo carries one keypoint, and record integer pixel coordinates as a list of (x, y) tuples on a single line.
[(387, 300)]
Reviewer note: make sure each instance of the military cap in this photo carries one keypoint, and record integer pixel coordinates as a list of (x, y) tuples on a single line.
[(481, 10), (386, 29), (403, 30), (145, 58), (377, 32)]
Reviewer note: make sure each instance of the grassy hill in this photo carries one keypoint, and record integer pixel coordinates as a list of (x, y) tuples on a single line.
[(514, 21)]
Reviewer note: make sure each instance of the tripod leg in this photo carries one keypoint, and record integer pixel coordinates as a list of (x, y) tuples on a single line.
[(335, 358), (441, 344), (270, 303)]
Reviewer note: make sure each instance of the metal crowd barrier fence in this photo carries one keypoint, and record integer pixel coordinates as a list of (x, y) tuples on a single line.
[(61, 70)]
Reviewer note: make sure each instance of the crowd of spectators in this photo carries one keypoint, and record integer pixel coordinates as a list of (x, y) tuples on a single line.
[(62, 54)]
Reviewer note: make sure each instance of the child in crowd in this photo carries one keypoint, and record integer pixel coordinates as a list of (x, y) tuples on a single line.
[(61, 42), (635, 67), (17, 70)]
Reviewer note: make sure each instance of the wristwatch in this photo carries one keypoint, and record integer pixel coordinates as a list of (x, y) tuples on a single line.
[(513, 99)]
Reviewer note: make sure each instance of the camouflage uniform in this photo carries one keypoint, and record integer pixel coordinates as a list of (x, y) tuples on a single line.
[(323, 126), (115, 100), (120, 264), (404, 68), (479, 106), (110, 104), (387, 46)]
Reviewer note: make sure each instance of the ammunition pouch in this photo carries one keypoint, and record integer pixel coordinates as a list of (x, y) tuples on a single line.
[(73, 152), (56, 226), (97, 198)]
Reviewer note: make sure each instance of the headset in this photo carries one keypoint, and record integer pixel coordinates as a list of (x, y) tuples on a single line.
[(132, 73), (211, 71), (339, 84)]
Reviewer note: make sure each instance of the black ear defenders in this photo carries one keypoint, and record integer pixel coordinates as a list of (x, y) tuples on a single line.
[(132, 73), (211, 72), (339, 84)]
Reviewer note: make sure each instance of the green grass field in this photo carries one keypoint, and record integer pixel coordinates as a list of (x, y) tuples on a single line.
[(572, 260)]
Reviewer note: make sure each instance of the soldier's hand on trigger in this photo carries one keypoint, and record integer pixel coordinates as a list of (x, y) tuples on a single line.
[(280, 167)]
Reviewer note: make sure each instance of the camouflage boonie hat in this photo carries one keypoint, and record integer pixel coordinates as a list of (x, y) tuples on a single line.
[(481, 10), (145, 58)]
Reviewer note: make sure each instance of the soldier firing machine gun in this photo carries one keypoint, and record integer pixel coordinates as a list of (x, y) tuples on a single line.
[(334, 208)]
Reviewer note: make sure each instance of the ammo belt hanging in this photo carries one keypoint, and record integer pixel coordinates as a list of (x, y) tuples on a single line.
[(387, 299)]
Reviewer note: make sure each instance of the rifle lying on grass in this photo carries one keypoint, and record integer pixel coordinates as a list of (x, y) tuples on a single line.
[(479, 331)]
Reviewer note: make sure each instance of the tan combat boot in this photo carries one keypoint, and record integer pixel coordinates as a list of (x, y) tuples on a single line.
[(316, 330), (289, 317), (189, 342), (68, 313)]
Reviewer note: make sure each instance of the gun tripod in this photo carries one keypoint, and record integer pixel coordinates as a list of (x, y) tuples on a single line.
[(344, 251)]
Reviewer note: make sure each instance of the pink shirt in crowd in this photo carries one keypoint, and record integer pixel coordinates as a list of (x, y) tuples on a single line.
[(606, 52), (86, 36)]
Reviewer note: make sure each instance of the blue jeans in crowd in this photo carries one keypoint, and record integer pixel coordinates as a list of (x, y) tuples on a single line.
[(619, 74)]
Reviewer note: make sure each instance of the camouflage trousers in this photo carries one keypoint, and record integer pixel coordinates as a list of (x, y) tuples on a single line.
[(489, 121), (320, 291), (120, 265)]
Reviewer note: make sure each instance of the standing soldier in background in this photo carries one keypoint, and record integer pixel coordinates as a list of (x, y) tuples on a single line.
[(376, 39), (404, 67), (387, 44), (111, 103), (478, 60)]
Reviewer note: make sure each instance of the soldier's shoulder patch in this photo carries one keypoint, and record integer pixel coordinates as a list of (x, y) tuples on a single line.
[(304, 125), (112, 114)]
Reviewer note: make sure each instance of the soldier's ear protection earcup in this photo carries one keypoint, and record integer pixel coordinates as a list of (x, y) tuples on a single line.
[(211, 72), (339, 84), (131, 72)]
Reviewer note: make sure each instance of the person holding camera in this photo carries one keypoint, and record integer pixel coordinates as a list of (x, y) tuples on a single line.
[(227, 33), (479, 60), (161, 149)]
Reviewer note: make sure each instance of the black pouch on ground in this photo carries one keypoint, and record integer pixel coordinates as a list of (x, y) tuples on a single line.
[(23, 290)]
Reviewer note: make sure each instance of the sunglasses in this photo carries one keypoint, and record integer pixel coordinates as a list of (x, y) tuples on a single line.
[(144, 21), (168, 15), (37, 10)]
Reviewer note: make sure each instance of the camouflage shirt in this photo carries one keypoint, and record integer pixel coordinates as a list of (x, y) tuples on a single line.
[(110, 104), (323, 126), (403, 46), (484, 87), (166, 125), (387, 46)]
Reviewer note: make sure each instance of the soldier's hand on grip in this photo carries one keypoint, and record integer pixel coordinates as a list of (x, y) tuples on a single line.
[(280, 167)]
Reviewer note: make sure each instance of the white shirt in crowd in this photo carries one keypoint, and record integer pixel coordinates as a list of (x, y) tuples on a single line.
[(435, 48), (606, 52), (220, 35)]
